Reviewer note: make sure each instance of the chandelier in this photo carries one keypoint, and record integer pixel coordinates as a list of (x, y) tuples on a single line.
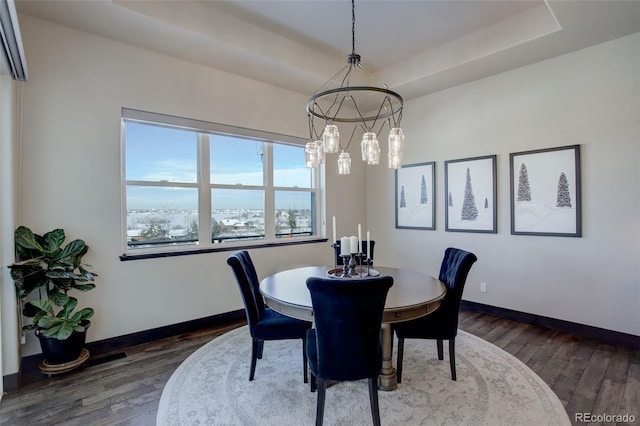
[(364, 106)]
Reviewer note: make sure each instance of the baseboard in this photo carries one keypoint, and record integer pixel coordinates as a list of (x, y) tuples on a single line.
[(601, 334), (121, 342), (29, 370)]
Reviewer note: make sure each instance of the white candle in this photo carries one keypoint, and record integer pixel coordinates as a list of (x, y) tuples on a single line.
[(354, 243), (334, 230), (359, 239), (345, 246), (368, 245)]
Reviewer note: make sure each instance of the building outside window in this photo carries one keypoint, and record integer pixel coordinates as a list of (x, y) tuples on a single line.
[(189, 184)]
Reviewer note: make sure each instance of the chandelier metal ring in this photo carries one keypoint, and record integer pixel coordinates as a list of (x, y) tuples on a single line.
[(396, 104)]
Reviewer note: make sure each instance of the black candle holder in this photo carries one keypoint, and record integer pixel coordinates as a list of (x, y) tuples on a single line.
[(352, 264), (346, 260)]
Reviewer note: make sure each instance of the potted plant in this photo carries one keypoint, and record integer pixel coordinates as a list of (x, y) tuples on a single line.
[(45, 266)]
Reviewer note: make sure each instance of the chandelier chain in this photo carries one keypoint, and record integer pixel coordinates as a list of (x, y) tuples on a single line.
[(353, 27), (358, 101)]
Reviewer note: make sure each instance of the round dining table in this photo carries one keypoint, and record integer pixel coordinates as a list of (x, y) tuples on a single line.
[(413, 295)]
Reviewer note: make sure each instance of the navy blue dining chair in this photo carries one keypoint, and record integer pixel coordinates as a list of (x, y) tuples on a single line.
[(443, 323), (264, 323), (345, 343)]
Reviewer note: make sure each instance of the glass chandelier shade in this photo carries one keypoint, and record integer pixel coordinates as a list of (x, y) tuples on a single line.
[(344, 163), (395, 161), (366, 107), (396, 147), (370, 148), (319, 151), (331, 138), (313, 154)]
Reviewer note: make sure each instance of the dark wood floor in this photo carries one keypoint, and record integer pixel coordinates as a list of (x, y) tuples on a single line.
[(588, 376)]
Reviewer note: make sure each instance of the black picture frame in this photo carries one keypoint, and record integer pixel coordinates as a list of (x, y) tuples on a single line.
[(415, 198), (546, 193), (465, 180)]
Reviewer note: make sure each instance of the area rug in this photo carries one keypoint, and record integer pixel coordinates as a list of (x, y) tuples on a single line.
[(212, 387)]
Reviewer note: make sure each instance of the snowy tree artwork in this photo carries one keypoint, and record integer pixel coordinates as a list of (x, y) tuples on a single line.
[(564, 198), (403, 202), (524, 189), (469, 209), (415, 188), (545, 192), (468, 180)]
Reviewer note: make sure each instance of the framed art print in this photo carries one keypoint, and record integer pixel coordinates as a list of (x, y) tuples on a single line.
[(470, 195), (545, 192), (415, 196)]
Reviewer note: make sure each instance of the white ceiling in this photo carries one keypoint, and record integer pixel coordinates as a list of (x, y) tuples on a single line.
[(415, 47)]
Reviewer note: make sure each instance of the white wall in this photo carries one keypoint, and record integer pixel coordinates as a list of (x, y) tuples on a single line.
[(591, 98), (71, 170)]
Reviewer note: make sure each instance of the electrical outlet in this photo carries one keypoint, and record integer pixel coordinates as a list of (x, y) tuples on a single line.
[(483, 287)]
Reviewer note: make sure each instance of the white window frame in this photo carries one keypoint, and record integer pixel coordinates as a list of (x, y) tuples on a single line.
[(204, 130)]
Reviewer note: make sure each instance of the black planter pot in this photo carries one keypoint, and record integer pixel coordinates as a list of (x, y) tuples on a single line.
[(63, 351)]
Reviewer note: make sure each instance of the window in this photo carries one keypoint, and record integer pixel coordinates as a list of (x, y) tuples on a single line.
[(189, 184)]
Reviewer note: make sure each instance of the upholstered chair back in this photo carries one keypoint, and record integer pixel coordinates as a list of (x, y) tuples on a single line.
[(247, 279), (348, 316), (455, 267)]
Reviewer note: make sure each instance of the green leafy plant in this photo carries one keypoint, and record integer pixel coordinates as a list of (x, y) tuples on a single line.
[(46, 266)]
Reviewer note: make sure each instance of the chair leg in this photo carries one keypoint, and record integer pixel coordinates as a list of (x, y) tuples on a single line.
[(452, 357), (254, 357), (400, 356), (322, 387), (313, 385), (440, 355), (304, 359), (260, 348), (373, 397)]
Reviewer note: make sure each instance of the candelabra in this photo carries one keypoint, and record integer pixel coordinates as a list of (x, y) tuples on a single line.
[(350, 267)]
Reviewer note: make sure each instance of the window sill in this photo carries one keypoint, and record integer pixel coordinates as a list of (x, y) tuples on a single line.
[(127, 257)]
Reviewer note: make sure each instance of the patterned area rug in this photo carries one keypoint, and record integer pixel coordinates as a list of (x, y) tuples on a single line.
[(493, 388)]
